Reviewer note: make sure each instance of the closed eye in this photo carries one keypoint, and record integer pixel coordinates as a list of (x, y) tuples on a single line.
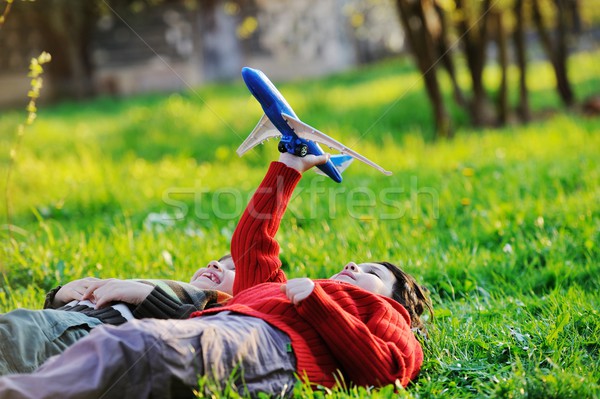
[(373, 273)]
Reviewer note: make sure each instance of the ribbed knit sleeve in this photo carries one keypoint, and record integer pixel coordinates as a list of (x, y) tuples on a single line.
[(160, 305), (254, 249), (50, 297), (176, 300), (369, 336)]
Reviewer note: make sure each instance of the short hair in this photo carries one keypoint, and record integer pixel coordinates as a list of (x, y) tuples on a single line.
[(411, 295)]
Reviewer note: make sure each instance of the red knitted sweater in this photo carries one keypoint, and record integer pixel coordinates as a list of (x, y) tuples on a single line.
[(366, 337)]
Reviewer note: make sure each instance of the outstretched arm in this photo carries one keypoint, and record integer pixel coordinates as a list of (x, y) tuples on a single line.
[(254, 249)]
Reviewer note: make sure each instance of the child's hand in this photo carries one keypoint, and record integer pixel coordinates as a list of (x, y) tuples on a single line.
[(298, 289), (302, 164), (72, 290), (115, 290)]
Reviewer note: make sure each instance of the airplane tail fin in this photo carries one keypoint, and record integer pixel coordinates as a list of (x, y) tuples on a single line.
[(340, 161)]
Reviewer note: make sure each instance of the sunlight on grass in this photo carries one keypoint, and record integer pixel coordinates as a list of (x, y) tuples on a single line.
[(502, 225)]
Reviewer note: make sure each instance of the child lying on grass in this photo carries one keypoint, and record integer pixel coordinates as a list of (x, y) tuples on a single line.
[(355, 326), (30, 337)]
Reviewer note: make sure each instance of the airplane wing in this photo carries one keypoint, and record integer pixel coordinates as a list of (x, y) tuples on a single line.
[(310, 133), (264, 130)]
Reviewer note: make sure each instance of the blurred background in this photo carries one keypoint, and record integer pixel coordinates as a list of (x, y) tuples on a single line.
[(119, 48)]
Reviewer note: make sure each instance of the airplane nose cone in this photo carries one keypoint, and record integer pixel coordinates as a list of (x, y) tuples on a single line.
[(259, 85), (249, 72), (253, 77)]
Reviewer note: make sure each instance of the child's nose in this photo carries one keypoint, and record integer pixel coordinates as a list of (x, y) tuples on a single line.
[(351, 266), (214, 265)]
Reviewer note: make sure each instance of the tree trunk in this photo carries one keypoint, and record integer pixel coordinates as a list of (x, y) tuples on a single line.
[(558, 57), (445, 55), (67, 28), (474, 46), (421, 45), (575, 16), (562, 53), (503, 62), (519, 41)]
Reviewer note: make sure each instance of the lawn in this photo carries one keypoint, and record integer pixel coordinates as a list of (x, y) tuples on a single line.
[(502, 225)]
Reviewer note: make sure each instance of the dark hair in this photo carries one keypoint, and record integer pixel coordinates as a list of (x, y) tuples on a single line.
[(411, 295)]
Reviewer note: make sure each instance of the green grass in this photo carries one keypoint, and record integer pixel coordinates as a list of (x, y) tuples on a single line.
[(502, 225)]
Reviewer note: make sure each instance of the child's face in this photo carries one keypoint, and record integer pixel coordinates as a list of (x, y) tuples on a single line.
[(217, 275), (371, 277)]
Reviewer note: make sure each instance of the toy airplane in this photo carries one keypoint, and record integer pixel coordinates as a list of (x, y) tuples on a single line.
[(297, 137)]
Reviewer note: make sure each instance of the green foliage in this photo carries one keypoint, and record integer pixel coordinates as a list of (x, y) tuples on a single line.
[(503, 226), (36, 70)]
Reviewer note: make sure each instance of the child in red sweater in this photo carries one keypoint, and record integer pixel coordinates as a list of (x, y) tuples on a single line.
[(356, 325)]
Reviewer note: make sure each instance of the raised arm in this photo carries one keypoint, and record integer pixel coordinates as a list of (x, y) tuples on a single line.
[(254, 249)]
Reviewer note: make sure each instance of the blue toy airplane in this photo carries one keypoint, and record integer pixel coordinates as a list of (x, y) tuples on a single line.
[(297, 137)]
